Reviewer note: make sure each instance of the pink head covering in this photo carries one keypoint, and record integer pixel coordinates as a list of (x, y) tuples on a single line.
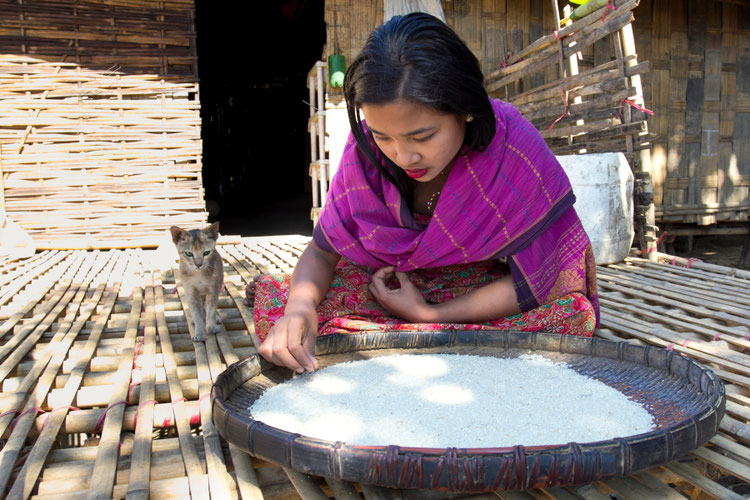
[(512, 200)]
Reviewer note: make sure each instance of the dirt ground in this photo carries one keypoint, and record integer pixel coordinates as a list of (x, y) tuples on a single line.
[(720, 250)]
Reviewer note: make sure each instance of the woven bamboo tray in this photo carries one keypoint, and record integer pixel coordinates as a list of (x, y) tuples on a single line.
[(686, 400)]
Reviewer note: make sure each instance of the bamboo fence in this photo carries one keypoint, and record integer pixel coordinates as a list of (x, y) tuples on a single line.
[(103, 395), (96, 159), (131, 36), (591, 111)]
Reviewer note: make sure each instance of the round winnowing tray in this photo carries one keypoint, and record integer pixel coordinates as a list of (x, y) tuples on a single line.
[(685, 399)]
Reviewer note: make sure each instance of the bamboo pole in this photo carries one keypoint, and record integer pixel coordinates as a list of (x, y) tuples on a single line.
[(702, 482), (198, 487), (105, 467), (23, 423), (217, 473), (648, 229), (34, 462), (140, 470)]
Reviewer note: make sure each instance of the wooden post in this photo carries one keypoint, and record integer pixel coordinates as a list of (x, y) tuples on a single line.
[(647, 229)]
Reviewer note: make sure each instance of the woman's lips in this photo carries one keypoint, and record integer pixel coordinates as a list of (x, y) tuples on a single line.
[(416, 174)]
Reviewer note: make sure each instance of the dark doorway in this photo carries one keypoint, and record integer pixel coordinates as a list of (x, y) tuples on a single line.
[(253, 60)]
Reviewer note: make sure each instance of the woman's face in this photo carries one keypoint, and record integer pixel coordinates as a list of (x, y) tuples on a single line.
[(418, 139)]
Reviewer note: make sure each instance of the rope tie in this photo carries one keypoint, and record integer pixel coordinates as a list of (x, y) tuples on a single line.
[(30, 410), (9, 412), (135, 417), (54, 410), (503, 62), (716, 337), (168, 420), (130, 388), (195, 418), (137, 353), (565, 113), (607, 8), (100, 420), (655, 247), (635, 105)]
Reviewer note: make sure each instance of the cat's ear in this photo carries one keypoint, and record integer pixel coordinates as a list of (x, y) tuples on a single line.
[(178, 234), (213, 231)]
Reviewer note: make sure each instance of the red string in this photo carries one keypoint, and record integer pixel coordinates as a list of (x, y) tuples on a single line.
[(655, 247), (135, 417), (565, 113), (19, 417), (130, 388), (716, 337), (9, 412), (690, 262), (635, 105), (54, 410), (503, 62), (100, 420), (608, 6), (168, 420), (670, 347), (137, 353)]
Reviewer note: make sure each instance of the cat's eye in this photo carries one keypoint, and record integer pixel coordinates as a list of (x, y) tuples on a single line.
[(206, 252), (188, 254)]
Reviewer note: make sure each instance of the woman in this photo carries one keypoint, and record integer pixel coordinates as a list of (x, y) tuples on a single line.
[(435, 186)]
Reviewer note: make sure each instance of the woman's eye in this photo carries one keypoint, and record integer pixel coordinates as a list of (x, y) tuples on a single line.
[(207, 252), (424, 139), (379, 138), (188, 254)]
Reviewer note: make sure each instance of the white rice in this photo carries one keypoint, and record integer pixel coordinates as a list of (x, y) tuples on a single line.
[(452, 400)]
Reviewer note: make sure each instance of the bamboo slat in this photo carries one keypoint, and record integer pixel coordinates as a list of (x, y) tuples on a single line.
[(700, 312), (87, 155)]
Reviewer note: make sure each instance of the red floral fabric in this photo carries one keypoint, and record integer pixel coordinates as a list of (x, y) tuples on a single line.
[(349, 307)]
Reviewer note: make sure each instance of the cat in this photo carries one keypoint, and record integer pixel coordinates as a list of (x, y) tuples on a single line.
[(202, 274)]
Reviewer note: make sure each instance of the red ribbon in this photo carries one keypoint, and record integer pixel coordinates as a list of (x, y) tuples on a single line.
[(52, 411), (655, 247), (608, 6), (135, 417), (565, 113), (636, 106), (100, 420)]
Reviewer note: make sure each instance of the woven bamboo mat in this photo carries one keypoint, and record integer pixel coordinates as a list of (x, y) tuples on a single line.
[(103, 395)]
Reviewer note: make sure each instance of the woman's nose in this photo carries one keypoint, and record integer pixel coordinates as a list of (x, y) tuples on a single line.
[(406, 156)]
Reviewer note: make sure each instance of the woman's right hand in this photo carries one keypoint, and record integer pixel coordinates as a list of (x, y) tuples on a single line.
[(291, 341)]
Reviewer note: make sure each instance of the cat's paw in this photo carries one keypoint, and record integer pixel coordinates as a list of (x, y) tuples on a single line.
[(218, 319), (200, 334), (213, 328)]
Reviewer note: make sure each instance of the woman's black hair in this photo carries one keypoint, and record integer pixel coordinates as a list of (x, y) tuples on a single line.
[(418, 58)]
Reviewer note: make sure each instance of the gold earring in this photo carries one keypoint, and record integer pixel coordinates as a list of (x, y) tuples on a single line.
[(469, 118)]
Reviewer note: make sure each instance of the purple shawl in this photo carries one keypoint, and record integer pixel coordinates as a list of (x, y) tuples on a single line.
[(512, 200)]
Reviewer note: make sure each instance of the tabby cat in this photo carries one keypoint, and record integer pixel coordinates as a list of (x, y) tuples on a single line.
[(202, 274)]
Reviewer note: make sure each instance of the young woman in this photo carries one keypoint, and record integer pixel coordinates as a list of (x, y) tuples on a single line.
[(448, 210)]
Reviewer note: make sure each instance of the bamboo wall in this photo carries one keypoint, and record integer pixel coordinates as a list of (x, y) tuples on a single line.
[(131, 36), (100, 132), (698, 85), (699, 89)]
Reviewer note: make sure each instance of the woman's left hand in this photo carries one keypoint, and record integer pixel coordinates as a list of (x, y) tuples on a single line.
[(406, 302)]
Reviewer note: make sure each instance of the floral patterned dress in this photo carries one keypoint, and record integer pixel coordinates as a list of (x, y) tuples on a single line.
[(349, 307)]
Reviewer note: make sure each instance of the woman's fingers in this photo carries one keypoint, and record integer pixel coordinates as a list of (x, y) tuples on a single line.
[(290, 344), (378, 286)]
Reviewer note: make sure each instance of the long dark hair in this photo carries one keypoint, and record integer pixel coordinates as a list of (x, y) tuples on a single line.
[(418, 58)]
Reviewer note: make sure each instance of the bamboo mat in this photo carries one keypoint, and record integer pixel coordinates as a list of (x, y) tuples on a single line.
[(104, 395)]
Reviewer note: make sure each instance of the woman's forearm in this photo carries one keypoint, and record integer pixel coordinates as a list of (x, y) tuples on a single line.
[(495, 300), (311, 278)]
